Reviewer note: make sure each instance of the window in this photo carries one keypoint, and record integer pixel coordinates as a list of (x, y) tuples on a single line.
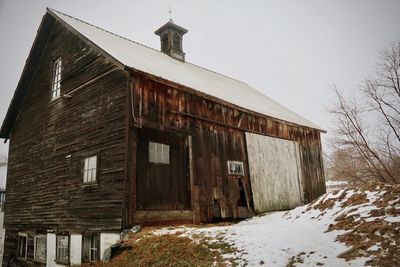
[(90, 169), (91, 248), (235, 168), (158, 153), (177, 41), (22, 245), (62, 251), (40, 248), (164, 42), (56, 82)]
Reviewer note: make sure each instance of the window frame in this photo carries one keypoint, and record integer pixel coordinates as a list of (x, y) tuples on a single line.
[(240, 163), (96, 169), (55, 92), (94, 243), (35, 248), (164, 41), (159, 149), (22, 235), (176, 41), (57, 259)]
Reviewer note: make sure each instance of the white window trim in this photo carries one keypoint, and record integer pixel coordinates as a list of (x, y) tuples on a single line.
[(235, 162), (92, 237), (56, 74), (87, 170), (26, 245), (159, 157), (68, 248), (34, 248)]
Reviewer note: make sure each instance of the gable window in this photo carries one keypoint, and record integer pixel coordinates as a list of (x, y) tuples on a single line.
[(40, 248), (62, 248), (56, 81), (91, 248), (158, 153), (22, 245), (235, 168), (177, 41), (90, 169)]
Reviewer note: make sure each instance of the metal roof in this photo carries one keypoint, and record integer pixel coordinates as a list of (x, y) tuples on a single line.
[(154, 62), (148, 60), (171, 24)]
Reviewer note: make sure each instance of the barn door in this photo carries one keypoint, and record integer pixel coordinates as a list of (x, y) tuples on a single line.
[(275, 172), (163, 173)]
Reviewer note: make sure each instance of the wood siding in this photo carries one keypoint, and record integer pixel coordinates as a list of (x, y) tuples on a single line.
[(163, 186), (275, 172), (50, 139), (218, 131)]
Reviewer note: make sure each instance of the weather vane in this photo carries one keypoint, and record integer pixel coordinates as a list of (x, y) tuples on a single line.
[(170, 12)]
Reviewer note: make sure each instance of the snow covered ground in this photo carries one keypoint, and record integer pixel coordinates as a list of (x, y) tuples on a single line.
[(309, 235)]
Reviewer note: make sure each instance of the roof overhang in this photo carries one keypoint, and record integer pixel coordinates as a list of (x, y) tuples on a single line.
[(171, 24)]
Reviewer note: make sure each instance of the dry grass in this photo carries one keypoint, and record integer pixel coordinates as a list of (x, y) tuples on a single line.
[(363, 234), (148, 249)]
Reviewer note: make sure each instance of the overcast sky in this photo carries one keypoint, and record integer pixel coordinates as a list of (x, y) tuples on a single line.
[(292, 51)]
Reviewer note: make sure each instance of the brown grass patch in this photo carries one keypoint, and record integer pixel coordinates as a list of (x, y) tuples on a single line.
[(363, 234), (175, 250)]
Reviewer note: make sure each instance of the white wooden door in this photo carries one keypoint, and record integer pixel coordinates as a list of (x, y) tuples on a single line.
[(275, 173)]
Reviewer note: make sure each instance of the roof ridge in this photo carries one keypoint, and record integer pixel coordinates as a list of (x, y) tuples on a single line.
[(145, 46)]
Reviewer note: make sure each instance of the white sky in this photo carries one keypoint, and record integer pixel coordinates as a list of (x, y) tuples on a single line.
[(292, 51)]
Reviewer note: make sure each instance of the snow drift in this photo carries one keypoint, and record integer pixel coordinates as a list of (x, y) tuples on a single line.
[(348, 227)]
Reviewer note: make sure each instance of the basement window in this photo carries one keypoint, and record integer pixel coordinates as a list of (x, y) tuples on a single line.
[(40, 248), (91, 248), (90, 169), (235, 168), (56, 81), (158, 153), (62, 251), (22, 246)]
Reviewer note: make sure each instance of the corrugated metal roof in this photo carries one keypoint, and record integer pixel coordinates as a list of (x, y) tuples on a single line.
[(154, 62)]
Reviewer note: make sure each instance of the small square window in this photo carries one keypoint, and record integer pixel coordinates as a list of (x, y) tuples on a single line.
[(22, 245), (91, 248), (158, 153), (90, 169), (56, 79), (40, 248), (62, 250), (235, 168)]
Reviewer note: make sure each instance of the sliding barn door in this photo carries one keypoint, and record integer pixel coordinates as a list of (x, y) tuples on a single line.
[(275, 172)]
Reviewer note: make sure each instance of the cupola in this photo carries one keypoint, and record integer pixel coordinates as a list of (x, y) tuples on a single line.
[(171, 36)]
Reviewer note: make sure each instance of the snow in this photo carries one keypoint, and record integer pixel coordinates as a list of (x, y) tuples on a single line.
[(373, 248), (274, 239), (302, 233), (392, 219), (151, 61), (336, 183)]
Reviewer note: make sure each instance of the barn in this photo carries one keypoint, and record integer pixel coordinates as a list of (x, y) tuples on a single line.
[(106, 133)]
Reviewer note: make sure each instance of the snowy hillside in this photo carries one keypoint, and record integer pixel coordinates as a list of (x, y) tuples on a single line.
[(349, 227)]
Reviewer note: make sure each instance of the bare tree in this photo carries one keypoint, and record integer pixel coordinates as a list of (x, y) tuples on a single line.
[(367, 127)]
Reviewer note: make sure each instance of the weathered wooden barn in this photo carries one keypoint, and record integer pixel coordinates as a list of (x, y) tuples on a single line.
[(106, 133)]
